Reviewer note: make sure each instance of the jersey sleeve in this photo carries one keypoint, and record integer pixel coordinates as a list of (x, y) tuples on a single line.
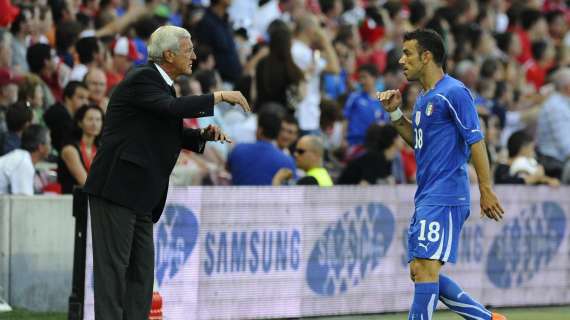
[(463, 112)]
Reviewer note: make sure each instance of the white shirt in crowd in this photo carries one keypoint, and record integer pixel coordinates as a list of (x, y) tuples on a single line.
[(78, 72), (308, 112), (17, 173)]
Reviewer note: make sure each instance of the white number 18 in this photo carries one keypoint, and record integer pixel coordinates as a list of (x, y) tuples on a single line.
[(433, 234), (419, 138)]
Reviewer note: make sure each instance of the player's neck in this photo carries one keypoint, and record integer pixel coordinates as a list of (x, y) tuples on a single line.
[(430, 77)]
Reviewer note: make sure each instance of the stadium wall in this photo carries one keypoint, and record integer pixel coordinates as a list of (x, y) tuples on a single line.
[(36, 251)]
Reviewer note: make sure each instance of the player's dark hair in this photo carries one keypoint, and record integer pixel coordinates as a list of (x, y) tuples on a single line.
[(429, 40)]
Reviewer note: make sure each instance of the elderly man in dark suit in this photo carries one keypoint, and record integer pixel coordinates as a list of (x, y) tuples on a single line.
[(128, 180)]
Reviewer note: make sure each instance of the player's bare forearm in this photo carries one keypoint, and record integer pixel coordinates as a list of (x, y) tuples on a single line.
[(481, 163), (490, 205), (404, 128)]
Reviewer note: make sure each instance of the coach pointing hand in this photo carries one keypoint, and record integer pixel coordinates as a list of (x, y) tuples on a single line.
[(128, 180)]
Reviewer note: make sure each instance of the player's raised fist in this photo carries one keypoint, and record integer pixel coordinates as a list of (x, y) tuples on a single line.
[(390, 99)]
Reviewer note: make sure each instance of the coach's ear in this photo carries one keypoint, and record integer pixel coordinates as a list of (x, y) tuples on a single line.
[(168, 56)]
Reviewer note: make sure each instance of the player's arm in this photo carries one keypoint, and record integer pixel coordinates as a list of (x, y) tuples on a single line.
[(404, 127), (464, 114), (391, 101), (490, 205)]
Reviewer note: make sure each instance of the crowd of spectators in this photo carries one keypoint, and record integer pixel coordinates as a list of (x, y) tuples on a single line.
[(308, 67)]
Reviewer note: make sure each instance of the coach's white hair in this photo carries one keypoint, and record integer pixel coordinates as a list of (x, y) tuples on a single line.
[(165, 38)]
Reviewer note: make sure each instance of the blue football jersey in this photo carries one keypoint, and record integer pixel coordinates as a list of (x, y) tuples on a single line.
[(445, 124)]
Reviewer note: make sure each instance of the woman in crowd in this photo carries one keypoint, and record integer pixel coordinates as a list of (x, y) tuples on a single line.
[(78, 153), (278, 78)]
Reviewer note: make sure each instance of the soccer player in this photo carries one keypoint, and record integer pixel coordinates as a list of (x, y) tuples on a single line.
[(445, 133)]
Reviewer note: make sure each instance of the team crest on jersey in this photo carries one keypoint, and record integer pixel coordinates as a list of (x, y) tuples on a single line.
[(418, 116), (429, 109)]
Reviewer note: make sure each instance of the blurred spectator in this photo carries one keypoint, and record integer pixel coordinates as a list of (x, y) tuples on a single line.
[(309, 154), (204, 58), (251, 55), (59, 117), (288, 134), (393, 77), (362, 108), (520, 113), (66, 34), (17, 167), (78, 153), (491, 68), (553, 127), (543, 54), (307, 33), (332, 126), (337, 85), (9, 13), (5, 49), (90, 56), (30, 92), (331, 11), (557, 26), (143, 29), (278, 78), (309, 73), (55, 75), (8, 93), (468, 73), (215, 156), (96, 82), (374, 166), (522, 167), (373, 30), (256, 163), (215, 31), (20, 29), (18, 117), (124, 54), (530, 25), (485, 92), (418, 14), (409, 96)]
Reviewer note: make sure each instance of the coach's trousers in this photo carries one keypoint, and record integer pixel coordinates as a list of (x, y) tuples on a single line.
[(123, 261)]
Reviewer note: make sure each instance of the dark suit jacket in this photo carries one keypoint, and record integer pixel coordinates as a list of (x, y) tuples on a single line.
[(141, 141)]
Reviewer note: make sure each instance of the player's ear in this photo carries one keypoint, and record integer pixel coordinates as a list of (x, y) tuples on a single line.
[(426, 56)]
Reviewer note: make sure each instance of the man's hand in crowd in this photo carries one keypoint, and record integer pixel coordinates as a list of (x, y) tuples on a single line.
[(283, 175), (232, 97)]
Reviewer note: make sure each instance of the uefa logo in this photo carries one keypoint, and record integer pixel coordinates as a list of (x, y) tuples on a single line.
[(526, 245), (176, 237), (350, 249)]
